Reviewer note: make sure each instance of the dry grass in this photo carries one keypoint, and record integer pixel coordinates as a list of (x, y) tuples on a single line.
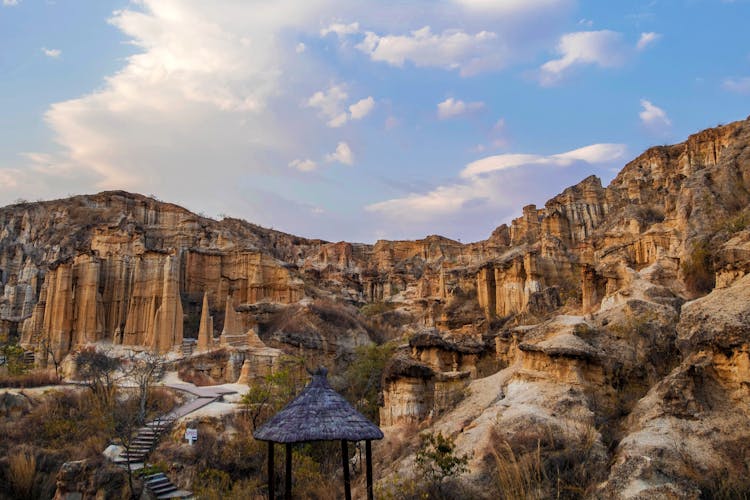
[(22, 471), (518, 477), (36, 378), (539, 463)]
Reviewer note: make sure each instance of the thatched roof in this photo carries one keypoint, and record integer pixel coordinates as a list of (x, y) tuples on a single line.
[(318, 414)]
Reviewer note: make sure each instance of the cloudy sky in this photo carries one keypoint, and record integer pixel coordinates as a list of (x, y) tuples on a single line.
[(356, 120)]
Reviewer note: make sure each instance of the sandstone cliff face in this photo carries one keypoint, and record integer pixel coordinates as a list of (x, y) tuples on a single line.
[(119, 267), (104, 256)]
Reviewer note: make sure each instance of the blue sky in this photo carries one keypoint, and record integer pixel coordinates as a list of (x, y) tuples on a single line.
[(356, 120)]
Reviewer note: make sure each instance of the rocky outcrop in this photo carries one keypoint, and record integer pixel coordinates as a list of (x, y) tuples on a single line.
[(687, 436), (87, 479)]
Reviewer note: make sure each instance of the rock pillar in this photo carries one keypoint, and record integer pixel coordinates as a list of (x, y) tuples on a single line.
[(206, 328)]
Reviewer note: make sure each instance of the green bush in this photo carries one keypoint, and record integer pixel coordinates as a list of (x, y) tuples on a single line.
[(437, 458)]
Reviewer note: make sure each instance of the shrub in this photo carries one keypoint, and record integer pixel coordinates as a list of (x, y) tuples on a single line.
[(535, 464), (14, 355), (361, 383), (437, 458), (376, 308), (36, 378), (22, 465)]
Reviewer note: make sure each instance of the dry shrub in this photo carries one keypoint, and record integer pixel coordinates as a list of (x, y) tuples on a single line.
[(36, 378), (161, 400), (196, 377), (518, 477), (22, 468), (551, 468)]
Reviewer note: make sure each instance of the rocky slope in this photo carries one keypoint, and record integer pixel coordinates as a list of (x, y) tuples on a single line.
[(578, 308)]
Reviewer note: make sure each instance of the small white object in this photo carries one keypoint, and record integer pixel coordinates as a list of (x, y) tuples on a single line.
[(191, 435)]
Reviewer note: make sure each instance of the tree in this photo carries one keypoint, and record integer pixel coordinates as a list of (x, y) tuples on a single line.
[(361, 383), (270, 394), (437, 458), (45, 349), (13, 355), (144, 371), (99, 372)]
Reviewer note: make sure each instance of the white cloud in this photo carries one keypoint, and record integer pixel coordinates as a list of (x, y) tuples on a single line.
[(451, 49), (330, 104), (451, 108), (361, 108), (300, 48), (202, 89), (343, 154), (654, 118), (53, 53), (10, 3), (306, 165), (647, 39), (340, 29), (738, 85), (595, 153), (485, 182), (602, 48)]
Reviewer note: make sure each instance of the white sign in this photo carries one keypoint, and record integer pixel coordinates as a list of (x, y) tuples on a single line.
[(191, 435)]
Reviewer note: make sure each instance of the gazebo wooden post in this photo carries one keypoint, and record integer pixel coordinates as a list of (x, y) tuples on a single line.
[(345, 464), (368, 461), (271, 473), (288, 477)]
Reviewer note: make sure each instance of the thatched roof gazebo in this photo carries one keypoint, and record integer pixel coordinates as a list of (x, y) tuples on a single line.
[(318, 414)]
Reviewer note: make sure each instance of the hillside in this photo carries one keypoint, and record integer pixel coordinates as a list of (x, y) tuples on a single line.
[(610, 324)]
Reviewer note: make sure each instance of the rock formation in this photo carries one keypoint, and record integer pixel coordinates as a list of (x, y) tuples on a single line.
[(206, 328), (616, 311)]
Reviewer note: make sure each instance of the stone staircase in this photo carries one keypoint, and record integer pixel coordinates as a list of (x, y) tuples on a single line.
[(161, 487), (28, 359), (188, 346), (144, 442), (147, 436)]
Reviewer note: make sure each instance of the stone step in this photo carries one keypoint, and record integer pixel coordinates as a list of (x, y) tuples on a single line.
[(157, 475), (155, 483), (136, 451), (160, 490), (176, 494)]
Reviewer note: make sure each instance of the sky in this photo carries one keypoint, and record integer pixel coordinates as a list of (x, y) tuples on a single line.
[(356, 120)]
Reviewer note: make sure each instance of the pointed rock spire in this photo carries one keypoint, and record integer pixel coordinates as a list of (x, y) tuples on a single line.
[(206, 328)]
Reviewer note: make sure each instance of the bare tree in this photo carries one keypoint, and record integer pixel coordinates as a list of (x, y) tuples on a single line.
[(45, 349), (144, 370), (99, 372)]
